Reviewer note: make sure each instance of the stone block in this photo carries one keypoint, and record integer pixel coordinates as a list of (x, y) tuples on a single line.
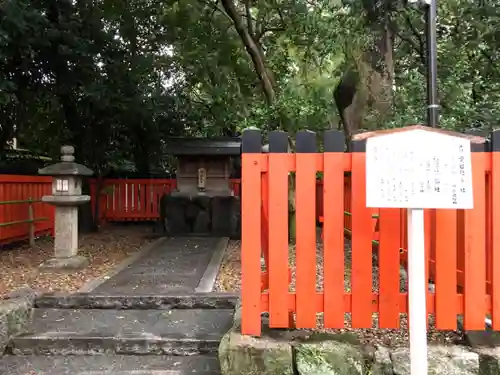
[(382, 364), (192, 210), (443, 360), (225, 216), (174, 211), (217, 216), (203, 201), (246, 355), (329, 358), (202, 223), (16, 317)]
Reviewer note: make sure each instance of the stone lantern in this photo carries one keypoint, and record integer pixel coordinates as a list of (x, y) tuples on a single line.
[(66, 197)]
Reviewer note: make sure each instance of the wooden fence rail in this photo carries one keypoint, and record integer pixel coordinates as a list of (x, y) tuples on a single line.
[(135, 199), (22, 213), (462, 246)]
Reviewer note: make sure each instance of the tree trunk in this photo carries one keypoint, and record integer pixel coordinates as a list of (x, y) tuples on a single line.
[(365, 89)]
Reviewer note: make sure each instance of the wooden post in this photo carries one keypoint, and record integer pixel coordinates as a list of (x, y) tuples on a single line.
[(31, 223)]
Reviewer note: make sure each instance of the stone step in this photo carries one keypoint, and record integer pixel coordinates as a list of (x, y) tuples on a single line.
[(109, 365), (158, 332), (138, 302)]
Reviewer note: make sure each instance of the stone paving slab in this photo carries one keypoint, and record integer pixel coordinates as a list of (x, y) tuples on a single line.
[(156, 323), (222, 301), (134, 332), (176, 264), (109, 365)]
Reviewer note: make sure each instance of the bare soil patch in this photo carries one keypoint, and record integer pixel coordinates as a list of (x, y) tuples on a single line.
[(105, 250)]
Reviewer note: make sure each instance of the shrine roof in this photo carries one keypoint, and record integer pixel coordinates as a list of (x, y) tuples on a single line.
[(191, 146)]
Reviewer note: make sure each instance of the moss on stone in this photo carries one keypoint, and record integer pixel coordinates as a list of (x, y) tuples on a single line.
[(329, 358), (16, 317), (245, 355)]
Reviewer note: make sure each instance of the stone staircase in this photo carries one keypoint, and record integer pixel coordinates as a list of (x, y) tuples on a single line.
[(96, 335)]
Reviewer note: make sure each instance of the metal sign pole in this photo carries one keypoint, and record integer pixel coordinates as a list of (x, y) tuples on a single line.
[(432, 97)]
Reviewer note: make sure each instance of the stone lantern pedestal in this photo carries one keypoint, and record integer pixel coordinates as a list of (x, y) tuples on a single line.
[(66, 197)]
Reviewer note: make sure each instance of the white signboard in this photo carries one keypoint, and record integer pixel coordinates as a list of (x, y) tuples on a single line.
[(418, 169)]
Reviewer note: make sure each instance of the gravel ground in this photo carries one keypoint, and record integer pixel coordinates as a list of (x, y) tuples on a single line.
[(229, 280), (106, 249)]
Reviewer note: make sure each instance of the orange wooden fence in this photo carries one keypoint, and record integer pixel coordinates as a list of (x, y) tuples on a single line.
[(17, 194), (135, 199), (462, 245)]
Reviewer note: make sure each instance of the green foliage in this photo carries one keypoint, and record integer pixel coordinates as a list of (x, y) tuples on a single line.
[(115, 77)]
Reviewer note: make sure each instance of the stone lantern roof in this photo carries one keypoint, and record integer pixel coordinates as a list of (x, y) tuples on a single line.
[(67, 166)]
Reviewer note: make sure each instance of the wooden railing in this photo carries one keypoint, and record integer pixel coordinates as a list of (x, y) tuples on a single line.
[(462, 246), (135, 199), (22, 213)]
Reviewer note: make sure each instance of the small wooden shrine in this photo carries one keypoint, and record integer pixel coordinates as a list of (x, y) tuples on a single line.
[(203, 202)]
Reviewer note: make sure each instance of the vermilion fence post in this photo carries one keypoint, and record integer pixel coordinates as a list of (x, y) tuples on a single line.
[(361, 273), (475, 246), (388, 257), (446, 265), (265, 228), (333, 229), (305, 199), (429, 222), (495, 229), (278, 229), (142, 205), (251, 159)]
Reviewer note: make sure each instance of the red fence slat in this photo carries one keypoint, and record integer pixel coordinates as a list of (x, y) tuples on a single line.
[(495, 233), (446, 276), (361, 274), (333, 242), (278, 241), (306, 237), (475, 255), (389, 268), (251, 244)]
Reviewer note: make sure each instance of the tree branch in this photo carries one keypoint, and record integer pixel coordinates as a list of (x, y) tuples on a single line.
[(490, 59), (421, 48), (215, 7), (248, 12), (414, 46), (263, 31), (253, 50)]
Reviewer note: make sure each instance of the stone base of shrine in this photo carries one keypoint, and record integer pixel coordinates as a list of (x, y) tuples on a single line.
[(217, 216)]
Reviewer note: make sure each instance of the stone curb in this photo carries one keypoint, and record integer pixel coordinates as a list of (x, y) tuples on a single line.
[(143, 302), (16, 316), (55, 344), (93, 284), (207, 281)]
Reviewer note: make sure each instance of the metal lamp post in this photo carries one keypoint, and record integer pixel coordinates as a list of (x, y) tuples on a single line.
[(432, 99)]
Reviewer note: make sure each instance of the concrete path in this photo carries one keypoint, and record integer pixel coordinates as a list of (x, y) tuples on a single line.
[(172, 265)]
